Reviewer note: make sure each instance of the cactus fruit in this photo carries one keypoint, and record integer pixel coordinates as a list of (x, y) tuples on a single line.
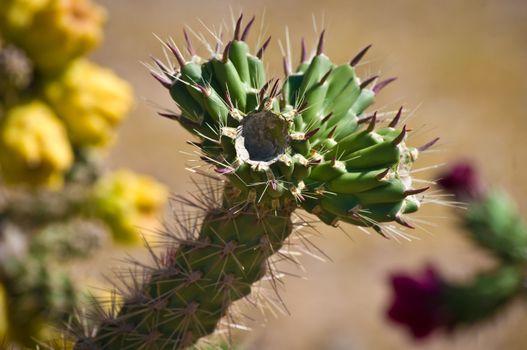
[(123, 199), (428, 303), (52, 32), (76, 95), (34, 146), (305, 142)]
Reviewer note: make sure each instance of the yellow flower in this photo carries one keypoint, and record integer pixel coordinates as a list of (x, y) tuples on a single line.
[(52, 32), (15, 15), (125, 201), (34, 147), (91, 100)]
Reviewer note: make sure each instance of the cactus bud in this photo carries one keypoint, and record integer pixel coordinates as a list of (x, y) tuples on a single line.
[(76, 96), (34, 148), (124, 201), (52, 32)]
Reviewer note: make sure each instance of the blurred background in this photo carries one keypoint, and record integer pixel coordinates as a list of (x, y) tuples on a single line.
[(461, 68)]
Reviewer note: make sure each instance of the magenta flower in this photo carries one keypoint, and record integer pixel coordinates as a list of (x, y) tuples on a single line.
[(463, 181), (417, 302)]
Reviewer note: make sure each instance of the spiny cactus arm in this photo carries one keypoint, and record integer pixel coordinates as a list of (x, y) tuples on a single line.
[(191, 289), (41, 209), (304, 143)]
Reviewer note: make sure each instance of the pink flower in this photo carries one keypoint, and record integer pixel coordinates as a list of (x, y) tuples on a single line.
[(463, 181), (417, 302)]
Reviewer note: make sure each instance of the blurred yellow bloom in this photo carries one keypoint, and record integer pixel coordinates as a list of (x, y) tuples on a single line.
[(91, 100), (125, 201), (34, 147), (52, 32), (4, 325)]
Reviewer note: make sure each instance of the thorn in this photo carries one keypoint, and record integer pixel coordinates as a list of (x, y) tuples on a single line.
[(237, 28), (367, 82), (381, 176), (399, 138), (332, 132), (373, 121), (162, 79), (193, 143), (171, 116), (303, 51), (379, 230), (362, 120), (354, 214), (218, 43), (223, 171), (402, 221), (263, 90), (206, 159), (176, 53), (247, 29), (274, 185), (274, 89), (303, 106), (160, 65), (286, 65), (320, 46), (395, 120), (226, 52), (427, 145), (310, 134), (355, 60), (190, 48), (203, 89), (260, 52), (378, 87), (417, 191), (228, 99), (325, 119), (333, 160), (325, 77)]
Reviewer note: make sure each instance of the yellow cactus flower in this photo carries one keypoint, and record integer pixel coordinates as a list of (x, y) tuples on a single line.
[(91, 100), (34, 147), (52, 32), (125, 201)]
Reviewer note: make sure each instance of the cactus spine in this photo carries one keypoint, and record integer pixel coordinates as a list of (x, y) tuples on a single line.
[(186, 296), (304, 143)]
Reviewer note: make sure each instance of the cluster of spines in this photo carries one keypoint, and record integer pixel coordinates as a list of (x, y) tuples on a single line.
[(190, 289), (335, 168)]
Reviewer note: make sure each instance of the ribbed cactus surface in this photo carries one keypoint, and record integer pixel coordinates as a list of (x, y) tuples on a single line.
[(193, 286), (304, 141)]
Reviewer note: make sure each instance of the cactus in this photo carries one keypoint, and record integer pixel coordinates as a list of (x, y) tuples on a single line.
[(58, 114), (304, 142), (430, 302)]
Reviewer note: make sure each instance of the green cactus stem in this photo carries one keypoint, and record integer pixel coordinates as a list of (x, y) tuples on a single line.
[(189, 292), (301, 142)]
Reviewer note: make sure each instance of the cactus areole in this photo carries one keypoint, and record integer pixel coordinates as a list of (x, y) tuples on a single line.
[(304, 141)]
